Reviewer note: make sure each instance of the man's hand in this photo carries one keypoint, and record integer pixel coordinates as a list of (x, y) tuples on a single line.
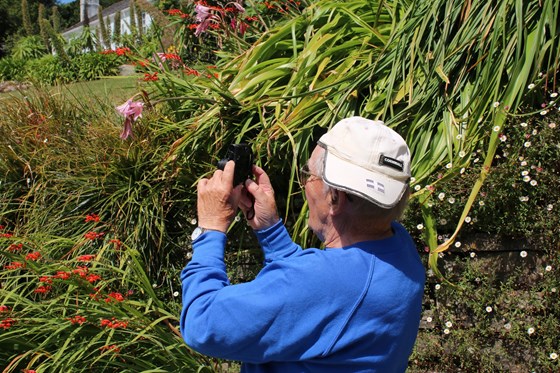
[(266, 214), (217, 199)]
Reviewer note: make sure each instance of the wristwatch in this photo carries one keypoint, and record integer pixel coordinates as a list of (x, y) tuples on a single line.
[(198, 231)]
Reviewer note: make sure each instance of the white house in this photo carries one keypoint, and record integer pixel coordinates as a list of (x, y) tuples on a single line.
[(89, 13)]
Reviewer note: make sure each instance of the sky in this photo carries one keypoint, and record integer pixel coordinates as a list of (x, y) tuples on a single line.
[(64, 1)]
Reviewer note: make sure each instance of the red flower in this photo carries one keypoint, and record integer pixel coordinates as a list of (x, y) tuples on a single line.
[(114, 323), (122, 51), (29, 371), (33, 256), (117, 243), (80, 271), (85, 258), (93, 235), (114, 296), (62, 275), (92, 278), (190, 71), (77, 320), (92, 217), (43, 289), (15, 247), (6, 235), (150, 77), (7, 323), (175, 12), (95, 296), (45, 279), (4, 308), (112, 348), (14, 265)]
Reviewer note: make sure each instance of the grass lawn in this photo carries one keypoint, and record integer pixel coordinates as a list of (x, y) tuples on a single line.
[(112, 89)]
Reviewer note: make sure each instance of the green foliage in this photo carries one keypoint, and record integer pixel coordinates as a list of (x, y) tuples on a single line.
[(47, 70), (436, 85), (29, 47), (91, 66), (11, 69), (491, 320), (445, 74)]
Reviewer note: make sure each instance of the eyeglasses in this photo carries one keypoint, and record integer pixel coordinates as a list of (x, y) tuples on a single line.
[(305, 175)]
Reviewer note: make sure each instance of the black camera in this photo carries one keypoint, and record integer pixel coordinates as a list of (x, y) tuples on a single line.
[(242, 155)]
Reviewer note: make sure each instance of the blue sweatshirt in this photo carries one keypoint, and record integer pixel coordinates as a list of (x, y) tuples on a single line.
[(350, 309)]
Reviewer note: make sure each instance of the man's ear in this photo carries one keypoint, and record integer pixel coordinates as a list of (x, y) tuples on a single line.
[(338, 201)]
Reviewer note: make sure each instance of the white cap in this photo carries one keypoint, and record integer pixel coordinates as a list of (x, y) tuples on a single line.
[(366, 158)]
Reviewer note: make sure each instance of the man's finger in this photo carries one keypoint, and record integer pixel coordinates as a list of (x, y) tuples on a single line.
[(201, 184), (229, 171), (261, 177)]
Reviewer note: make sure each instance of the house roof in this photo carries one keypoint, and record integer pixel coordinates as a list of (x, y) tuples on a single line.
[(116, 7)]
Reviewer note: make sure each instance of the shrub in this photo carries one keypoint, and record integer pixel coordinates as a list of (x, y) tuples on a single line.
[(48, 70), (89, 66), (29, 47), (11, 68)]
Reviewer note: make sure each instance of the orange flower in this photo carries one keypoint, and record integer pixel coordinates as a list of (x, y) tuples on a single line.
[(92, 217), (15, 247), (85, 258), (45, 279), (117, 243), (62, 275), (93, 235), (33, 256), (150, 77), (112, 348), (80, 271), (7, 323), (114, 323), (114, 296), (77, 320), (92, 278), (43, 289), (14, 265)]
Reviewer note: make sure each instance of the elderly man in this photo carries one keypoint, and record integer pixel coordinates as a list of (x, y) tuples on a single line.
[(353, 306)]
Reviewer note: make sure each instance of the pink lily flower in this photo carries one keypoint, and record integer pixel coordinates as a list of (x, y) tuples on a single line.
[(131, 110), (202, 12)]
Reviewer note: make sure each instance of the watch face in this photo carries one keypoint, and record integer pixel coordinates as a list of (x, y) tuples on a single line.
[(196, 233)]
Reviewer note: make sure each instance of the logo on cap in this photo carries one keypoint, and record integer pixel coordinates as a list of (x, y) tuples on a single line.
[(391, 162), (375, 185)]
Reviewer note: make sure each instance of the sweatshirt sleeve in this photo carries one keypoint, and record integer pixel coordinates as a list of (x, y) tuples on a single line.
[(244, 321)]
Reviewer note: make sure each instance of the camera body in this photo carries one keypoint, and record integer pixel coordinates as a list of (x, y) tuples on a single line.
[(242, 155)]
